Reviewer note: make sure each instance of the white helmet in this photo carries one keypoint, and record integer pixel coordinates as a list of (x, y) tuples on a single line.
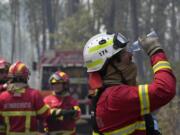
[(101, 47)]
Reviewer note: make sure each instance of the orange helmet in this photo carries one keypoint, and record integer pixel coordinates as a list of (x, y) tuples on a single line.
[(18, 70), (4, 65), (59, 77)]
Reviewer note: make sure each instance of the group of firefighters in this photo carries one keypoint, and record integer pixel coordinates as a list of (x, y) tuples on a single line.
[(119, 105), (23, 110)]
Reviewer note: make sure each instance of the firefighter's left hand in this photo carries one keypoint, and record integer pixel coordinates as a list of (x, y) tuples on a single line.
[(150, 44)]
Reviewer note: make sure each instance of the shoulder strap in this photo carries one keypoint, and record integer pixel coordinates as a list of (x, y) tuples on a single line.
[(150, 125)]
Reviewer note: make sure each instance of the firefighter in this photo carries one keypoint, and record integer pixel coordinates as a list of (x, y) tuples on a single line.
[(4, 67), (20, 105), (61, 99), (119, 107)]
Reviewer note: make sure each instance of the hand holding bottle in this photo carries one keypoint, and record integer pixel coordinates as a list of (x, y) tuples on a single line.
[(149, 43)]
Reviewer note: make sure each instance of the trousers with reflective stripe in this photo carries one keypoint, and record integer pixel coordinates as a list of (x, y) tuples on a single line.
[(63, 132), (22, 133), (138, 126)]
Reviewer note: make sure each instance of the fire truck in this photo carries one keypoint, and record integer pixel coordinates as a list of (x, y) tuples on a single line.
[(70, 62)]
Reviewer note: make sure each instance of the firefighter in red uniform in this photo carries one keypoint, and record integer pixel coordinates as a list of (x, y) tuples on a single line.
[(60, 99), (20, 105), (4, 67), (119, 107)]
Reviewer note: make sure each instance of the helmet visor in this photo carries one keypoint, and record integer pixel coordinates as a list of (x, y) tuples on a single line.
[(119, 41), (121, 38)]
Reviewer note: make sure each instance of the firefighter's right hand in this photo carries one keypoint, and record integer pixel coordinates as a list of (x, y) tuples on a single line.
[(150, 44)]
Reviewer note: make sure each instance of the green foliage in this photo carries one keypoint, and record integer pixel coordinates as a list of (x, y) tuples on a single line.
[(75, 30), (113, 14)]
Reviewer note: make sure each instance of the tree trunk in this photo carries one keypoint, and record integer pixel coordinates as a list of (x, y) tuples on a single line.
[(135, 31), (173, 31), (72, 7), (44, 43), (50, 22), (19, 55), (110, 16), (34, 28), (13, 28)]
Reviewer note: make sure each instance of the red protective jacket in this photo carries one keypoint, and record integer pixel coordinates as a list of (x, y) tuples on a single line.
[(120, 108), (65, 126), (2, 87), (2, 125), (21, 110)]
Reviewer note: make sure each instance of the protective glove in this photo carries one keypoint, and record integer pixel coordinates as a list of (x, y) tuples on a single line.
[(150, 44), (63, 113), (68, 113), (55, 112)]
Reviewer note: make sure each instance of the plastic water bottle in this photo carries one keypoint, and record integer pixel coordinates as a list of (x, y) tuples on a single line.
[(135, 45)]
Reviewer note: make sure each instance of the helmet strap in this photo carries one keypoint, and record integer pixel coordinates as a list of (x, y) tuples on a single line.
[(64, 90), (62, 93)]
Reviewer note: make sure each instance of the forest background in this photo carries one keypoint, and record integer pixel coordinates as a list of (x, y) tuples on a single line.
[(30, 28)]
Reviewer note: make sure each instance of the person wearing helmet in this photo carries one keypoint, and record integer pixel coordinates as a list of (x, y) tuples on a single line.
[(119, 106), (21, 106), (4, 67), (69, 111)]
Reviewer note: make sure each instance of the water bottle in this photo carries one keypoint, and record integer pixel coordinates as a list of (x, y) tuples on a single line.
[(135, 45)]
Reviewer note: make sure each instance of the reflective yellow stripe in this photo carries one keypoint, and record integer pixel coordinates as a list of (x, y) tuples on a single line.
[(139, 125), (94, 133), (43, 109), (18, 113), (161, 65), (144, 99), (63, 132), (98, 47), (27, 114), (7, 124), (94, 63), (21, 90), (20, 67), (77, 108), (22, 133), (62, 73), (27, 124), (53, 80)]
